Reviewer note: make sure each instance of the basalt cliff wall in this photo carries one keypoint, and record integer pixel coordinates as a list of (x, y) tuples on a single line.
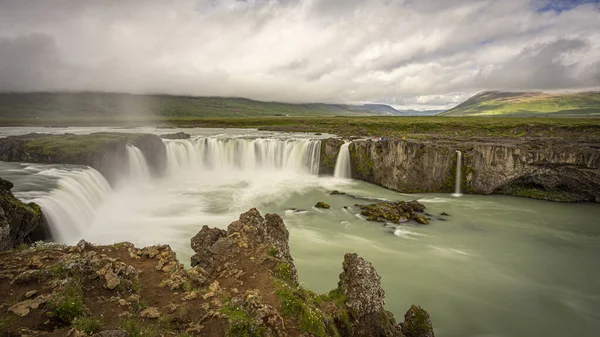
[(550, 170)]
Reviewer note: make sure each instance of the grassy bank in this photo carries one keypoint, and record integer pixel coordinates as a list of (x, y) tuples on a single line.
[(579, 128)]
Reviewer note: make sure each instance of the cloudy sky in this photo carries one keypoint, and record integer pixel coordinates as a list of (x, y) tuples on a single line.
[(408, 53)]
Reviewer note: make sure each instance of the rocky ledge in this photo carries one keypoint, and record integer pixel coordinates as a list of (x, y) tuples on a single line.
[(105, 152), (243, 283), (19, 223)]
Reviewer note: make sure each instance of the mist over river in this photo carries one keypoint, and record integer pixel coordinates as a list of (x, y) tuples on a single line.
[(496, 266)]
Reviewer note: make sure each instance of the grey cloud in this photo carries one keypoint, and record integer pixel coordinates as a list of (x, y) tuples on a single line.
[(427, 53)]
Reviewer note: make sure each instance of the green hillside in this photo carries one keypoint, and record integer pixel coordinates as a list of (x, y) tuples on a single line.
[(116, 105), (529, 104)]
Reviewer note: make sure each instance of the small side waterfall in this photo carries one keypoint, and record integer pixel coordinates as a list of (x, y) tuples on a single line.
[(458, 174), (70, 208), (213, 153), (342, 164), (138, 167)]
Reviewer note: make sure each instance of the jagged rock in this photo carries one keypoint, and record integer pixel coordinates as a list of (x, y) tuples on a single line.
[(23, 308), (202, 243), (112, 333), (83, 245), (421, 219), (361, 285), (30, 293), (112, 280), (215, 247), (178, 135), (19, 222), (444, 214), (151, 312), (322, 204), (396, 212), (330, 149), (417, 323)]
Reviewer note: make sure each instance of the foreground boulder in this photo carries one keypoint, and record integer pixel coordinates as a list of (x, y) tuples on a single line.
[(395, 212), (243, 283), (19, 223)]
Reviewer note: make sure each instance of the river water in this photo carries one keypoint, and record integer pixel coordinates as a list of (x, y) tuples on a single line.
[(496, 266)]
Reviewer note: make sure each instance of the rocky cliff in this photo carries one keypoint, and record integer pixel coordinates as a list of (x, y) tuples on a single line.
[(243, 283), (545, 169), (19, 223), (106, 152)]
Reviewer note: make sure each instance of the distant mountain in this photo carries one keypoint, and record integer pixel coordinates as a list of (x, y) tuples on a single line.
[(498, 103), (421, 112), (117, 105)]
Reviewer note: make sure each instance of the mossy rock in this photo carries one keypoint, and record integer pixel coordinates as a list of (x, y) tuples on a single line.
[(323, 205)]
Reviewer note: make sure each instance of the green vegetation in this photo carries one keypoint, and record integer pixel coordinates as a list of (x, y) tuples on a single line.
[(68, 304), (75, 147), (137, 328), (495, 103), (273, 251), (124, 106), (6, 322), (240, 323), (89, 325)]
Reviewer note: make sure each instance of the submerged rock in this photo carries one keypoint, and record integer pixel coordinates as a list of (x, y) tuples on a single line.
[(323, 205), (395, 212)]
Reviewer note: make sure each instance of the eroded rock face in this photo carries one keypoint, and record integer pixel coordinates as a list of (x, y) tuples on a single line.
[(19, 222), (552, 170), (361, 285), (417, 323), (330, 148)]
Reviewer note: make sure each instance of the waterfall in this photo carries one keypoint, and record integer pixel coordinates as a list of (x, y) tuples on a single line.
[(215, 153), (458, 174), (342, 164), (70, 208), (138, 167)]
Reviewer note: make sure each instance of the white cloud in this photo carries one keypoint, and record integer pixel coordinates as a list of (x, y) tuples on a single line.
[(424, 53)]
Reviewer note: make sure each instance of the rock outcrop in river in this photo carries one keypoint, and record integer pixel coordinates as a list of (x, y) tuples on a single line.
[(544, 169), (19, 223), (106, 152), (243, 283)]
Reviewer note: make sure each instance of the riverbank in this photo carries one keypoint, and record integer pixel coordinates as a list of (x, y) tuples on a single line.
[(243, 283)]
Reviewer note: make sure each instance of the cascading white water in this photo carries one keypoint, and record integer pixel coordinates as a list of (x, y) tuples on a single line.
[(458, 174), (342, 164), (138, 167), (70, 208), (214, 153)]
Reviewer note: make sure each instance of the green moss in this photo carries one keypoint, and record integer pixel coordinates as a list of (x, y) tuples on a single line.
[(89, 325), (323, 205), (273, 251), (6, 322), (240, 323), (538, 193), (362, 165), (68, 303)]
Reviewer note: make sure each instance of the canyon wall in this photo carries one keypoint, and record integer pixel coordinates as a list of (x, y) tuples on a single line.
[(550, 170)]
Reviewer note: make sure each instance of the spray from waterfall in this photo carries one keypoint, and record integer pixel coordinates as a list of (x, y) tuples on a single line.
[(138, 167), (458, 174), (70, 208), (342, 164), (214, 153)]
